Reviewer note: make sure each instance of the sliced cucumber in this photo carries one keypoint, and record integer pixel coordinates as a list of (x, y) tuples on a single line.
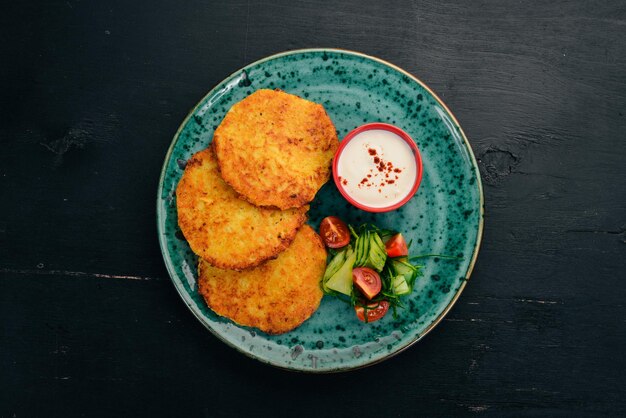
[(379, 242), (359, 250), (341, 280), (400, 286), (362, 250), (403, 267), (370, 251), (366, 248), (406, 269), (377, 255), (335, 263)]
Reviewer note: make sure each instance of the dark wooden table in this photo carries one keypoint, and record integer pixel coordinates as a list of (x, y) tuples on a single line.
[(91, 95)]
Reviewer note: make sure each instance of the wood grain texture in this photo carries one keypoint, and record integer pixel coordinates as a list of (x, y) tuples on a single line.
[(90, 98)]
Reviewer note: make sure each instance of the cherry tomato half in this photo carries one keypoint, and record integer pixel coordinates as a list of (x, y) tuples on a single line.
[(367, 281), (334, 232), (396, 246), (375, 311)]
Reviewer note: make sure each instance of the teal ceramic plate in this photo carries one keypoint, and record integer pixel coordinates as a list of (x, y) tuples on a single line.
[(444, 217)]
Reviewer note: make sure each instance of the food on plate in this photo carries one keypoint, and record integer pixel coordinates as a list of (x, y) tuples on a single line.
[(377, 167), (276, 296), (374, 311), (334, 232), (367, 281), (225, 230), (372, 272), (396, 246), (275, 148)]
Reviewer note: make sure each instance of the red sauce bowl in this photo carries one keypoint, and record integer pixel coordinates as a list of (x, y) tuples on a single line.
[(400, 133)]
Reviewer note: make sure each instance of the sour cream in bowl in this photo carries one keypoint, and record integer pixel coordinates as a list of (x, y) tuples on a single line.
[(377, 167)]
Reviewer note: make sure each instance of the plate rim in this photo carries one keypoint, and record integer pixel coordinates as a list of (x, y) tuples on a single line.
[(169, 264)]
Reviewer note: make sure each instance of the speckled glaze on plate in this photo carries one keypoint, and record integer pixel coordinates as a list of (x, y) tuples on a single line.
[(444, 217)]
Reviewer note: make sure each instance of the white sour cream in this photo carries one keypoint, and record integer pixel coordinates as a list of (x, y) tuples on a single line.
[(377, 168)]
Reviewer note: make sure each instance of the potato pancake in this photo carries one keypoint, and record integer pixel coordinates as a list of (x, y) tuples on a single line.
[(225, 230), (275, 148), (276, 296)]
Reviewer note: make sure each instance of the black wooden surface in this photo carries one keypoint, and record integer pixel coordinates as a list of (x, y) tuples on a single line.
[(91, 95)]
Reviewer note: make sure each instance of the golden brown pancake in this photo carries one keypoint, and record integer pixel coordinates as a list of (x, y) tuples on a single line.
[(227, 231), (276, 296), (275, 148)]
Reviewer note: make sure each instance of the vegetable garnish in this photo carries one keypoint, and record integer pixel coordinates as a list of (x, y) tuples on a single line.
[(371, 271), (371, 312), (367, 281), (334, 232), (396, 246)]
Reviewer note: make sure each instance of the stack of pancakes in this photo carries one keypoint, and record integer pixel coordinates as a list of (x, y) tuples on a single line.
[(242, 204)]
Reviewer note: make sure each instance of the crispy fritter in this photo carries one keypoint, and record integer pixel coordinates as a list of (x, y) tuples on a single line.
[(227, 231), (276, 296), (275, 148)]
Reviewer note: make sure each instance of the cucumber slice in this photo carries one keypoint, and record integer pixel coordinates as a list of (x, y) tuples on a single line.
[(404, 268), (335, 263), (408, 270), (359, 250), (366, 248), (379, 243), (400, 286), (376, 261), (377, 254), (370, 251), (363, 250), (341, 281)]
